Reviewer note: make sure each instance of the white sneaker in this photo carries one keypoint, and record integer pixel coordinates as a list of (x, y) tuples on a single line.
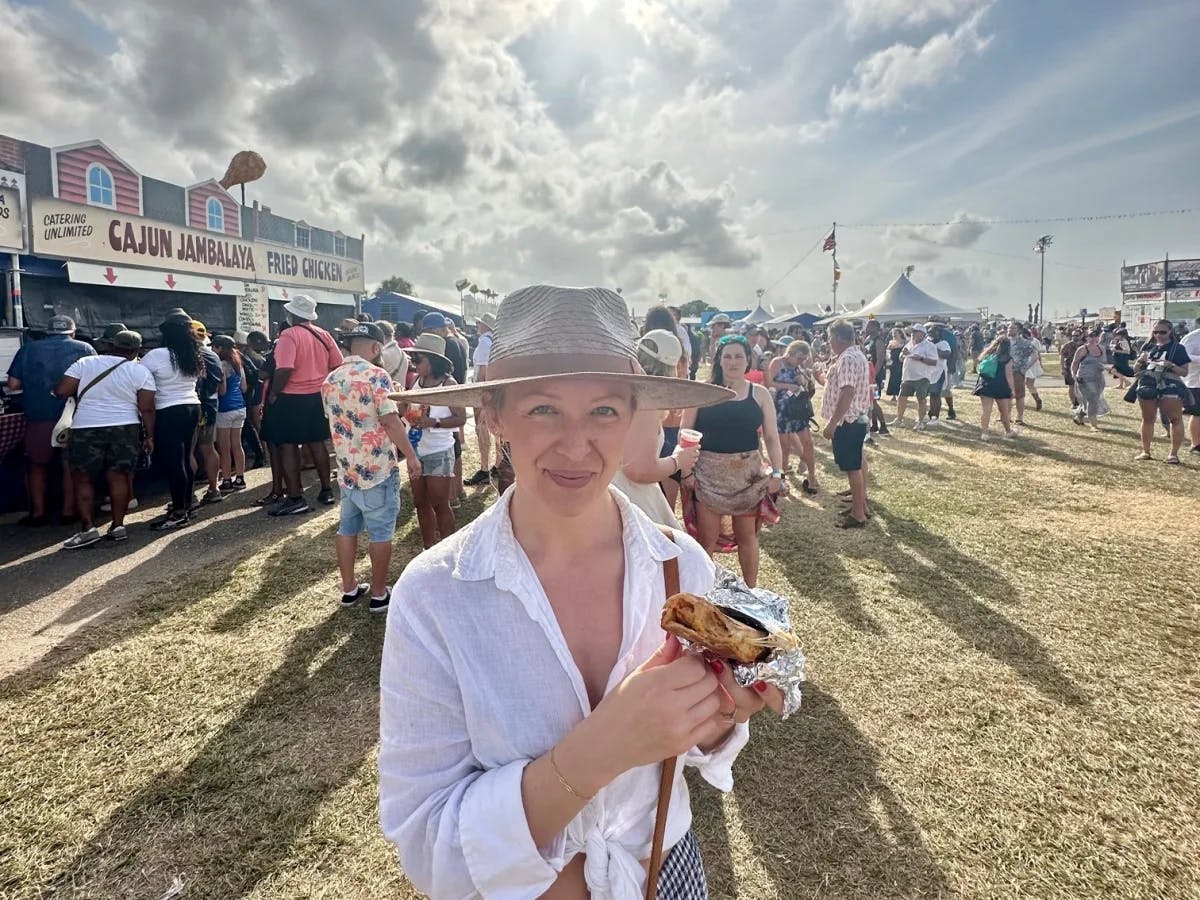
[(895, 423), (985, 436), (937, 422), (919, 426), (1011, 433), (106, 506)]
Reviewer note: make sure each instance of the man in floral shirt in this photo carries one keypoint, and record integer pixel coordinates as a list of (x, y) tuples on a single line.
[(367, 432)]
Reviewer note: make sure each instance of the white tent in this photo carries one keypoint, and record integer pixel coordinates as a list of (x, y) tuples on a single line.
[(903, 301), (756, 317)]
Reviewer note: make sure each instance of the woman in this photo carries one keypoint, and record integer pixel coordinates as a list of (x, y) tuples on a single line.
[(1160, 369), (895, 364), (176, 366), (642, 470), (792, 379), (1087, 368), (729, 478), (995, 386), (526, 678), (432, 435), (231, 415), (659, 318), (1035, 370), (392, 358), (1122, 354)]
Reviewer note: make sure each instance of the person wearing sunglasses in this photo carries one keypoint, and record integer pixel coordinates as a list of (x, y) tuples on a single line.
[(1160, 368)]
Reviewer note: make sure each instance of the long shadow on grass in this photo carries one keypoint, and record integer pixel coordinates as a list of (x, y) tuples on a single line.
[(822, 821), (928, 569), (152, 604), (230, 817), (814, 568)]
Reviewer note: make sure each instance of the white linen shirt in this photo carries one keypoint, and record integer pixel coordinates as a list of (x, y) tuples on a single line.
[(477, 682)]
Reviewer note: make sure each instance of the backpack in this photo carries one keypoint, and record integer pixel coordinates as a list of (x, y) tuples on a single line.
[(989, 366)]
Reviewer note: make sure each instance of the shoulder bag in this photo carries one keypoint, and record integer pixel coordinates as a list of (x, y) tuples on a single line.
[(61, 435)]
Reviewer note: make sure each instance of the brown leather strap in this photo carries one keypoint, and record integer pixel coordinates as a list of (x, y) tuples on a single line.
[(667, 778), (670, 566)]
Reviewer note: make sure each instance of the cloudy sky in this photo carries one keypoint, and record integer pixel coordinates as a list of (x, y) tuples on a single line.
[(694, 147)]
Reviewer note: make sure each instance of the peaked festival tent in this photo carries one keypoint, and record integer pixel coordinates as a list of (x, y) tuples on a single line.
[(903, 301), (756, 317)]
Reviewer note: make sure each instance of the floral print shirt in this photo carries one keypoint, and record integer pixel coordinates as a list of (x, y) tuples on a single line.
[(355, 395)]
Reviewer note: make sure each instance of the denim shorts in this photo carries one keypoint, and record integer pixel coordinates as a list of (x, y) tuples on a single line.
[(373, 510), (438, 465)]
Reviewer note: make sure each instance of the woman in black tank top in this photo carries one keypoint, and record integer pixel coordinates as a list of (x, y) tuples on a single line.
[(730, 478)]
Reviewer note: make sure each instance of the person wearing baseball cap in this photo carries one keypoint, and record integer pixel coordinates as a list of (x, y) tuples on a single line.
[(918, 369), (36, 370), (644, 467), (114, 395), (304, 356), (368, 439)]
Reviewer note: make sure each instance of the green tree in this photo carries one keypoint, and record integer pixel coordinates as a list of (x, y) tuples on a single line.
[(395, 284), (695, 308)]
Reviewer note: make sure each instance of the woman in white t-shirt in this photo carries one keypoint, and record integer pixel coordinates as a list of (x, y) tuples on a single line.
[(175, 366), (432, 433)]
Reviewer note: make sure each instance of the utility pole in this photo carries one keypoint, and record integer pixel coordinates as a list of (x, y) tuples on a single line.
[(1039, 247)]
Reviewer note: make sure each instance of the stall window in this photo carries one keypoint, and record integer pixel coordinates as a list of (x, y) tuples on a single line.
[(100, 186), (302, 238), (215, 214), (339, 245)]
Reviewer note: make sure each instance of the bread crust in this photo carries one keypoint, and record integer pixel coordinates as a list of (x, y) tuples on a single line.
[(701, 622)]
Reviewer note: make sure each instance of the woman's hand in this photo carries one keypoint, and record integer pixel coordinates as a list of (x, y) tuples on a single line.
[(685, 458), (425, 422), (773, 484), (664, 709), (747, 701)]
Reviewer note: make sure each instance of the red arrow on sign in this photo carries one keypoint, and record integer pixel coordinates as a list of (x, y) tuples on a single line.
[(285, 296), (109, 275), (171, 282), (217, 286)]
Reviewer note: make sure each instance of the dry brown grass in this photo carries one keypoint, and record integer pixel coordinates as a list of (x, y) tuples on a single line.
[(1003, 703)]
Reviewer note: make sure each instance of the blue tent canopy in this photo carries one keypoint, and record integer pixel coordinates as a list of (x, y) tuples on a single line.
[(401, 308)]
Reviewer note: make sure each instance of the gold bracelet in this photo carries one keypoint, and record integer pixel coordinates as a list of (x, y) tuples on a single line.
[(563, 781)]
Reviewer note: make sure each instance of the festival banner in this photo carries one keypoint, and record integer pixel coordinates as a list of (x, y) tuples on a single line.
[(75, 231), (1183, 274), (12, 231), (1143, 277)]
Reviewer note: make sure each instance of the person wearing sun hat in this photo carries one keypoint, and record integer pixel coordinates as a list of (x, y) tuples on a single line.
[(434, 435), (528, 673), (304, 355)]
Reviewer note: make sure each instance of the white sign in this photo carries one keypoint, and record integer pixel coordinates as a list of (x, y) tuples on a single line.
[(253, 308), (12, 220), (152, 279)]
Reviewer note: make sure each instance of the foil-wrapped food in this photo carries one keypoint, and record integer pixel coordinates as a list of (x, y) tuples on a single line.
[(749, 627)]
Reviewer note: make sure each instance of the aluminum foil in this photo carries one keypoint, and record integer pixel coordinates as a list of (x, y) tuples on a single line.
[(785, 668)]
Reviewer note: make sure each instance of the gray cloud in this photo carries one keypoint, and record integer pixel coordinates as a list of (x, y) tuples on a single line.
[(432, 159)]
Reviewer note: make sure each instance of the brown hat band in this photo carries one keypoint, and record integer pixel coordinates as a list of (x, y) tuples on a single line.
[(560, 364)]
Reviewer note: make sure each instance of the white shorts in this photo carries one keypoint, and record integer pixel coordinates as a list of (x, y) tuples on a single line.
[(235, 418)]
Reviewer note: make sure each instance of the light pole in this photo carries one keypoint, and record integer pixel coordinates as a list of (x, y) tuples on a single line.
[(461, 285), (1039, 247)]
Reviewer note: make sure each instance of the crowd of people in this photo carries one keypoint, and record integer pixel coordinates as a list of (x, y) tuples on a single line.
[(204, 408), (569, 400)]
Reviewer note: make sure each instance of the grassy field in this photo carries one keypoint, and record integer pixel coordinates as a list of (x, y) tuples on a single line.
[(1002, 703)]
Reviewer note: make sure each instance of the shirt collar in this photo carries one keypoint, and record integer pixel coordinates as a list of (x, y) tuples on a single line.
[(490, 550)]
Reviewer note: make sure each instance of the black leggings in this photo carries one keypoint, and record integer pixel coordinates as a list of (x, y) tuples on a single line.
[(174, 439)]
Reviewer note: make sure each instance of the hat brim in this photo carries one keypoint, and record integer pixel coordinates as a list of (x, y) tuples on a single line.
[(291, 310), (417, 351), (651, 391)]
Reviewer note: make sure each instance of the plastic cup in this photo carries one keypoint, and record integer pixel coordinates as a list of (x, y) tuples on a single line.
[(689, 438)]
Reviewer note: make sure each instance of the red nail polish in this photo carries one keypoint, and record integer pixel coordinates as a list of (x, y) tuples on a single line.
[(760, 686), (716, 665)]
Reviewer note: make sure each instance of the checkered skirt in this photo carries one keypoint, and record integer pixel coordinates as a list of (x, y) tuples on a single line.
[(682, 873)]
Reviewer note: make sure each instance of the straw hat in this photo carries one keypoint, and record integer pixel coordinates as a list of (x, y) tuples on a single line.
[(548, 333), (429, 344)]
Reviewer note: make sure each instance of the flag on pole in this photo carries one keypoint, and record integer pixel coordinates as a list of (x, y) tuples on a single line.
[(830, 242)]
